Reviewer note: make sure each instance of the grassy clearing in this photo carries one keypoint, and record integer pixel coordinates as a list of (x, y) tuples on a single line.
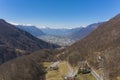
[(46, 64), (57, 75), (63, 70)]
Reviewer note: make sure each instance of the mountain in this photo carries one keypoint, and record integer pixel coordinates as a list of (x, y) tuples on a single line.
[(83, 32), (31, 29), (103, 42), (16, 42)]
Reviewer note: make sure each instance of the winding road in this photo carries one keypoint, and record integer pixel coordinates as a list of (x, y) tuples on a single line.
[(96, 75)]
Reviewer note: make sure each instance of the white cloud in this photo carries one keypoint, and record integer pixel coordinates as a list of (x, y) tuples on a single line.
[(20, 24), (14, 23)]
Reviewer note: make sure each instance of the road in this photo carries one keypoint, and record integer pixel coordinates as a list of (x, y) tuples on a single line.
[(55, 64), (71, 72), (96, 75)]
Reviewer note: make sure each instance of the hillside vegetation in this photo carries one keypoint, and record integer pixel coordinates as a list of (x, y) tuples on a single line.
[(104, 42), (29, 67)]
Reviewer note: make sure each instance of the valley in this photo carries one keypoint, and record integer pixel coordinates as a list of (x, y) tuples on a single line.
[(62, 41), (62, 37), (59, 40), (83, 59)]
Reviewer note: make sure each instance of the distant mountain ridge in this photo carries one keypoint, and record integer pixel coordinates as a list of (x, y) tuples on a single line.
[(63, 37), (83, 32), (31, 29), (74, 33)]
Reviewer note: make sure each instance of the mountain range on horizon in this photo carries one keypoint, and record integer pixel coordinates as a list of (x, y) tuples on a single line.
[(61, 32), (62, 37), (31, 29)]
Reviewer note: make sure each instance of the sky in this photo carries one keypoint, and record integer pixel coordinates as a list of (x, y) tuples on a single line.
[(58, 13)]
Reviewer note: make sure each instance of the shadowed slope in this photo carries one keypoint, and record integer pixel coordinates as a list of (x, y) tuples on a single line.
[(15, 42)]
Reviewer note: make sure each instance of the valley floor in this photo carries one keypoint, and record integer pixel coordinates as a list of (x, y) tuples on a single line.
[(62, 72)]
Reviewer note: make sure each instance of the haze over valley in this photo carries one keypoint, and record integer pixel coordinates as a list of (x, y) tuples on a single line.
[(62, 37)]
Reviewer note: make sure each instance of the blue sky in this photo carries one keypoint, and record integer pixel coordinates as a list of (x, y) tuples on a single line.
[(58, 13)]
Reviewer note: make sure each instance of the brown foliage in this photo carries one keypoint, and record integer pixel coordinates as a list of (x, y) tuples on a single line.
[(105, 38), (27, 67)]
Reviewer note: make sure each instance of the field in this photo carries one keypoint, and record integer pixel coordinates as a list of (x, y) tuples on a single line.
[(62, 71), (57, 75)]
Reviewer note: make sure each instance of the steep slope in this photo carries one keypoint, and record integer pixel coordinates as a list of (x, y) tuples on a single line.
[(21, 68), (15, 42), (105, 42), (31, 29), (6, 54), (83, 32)]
